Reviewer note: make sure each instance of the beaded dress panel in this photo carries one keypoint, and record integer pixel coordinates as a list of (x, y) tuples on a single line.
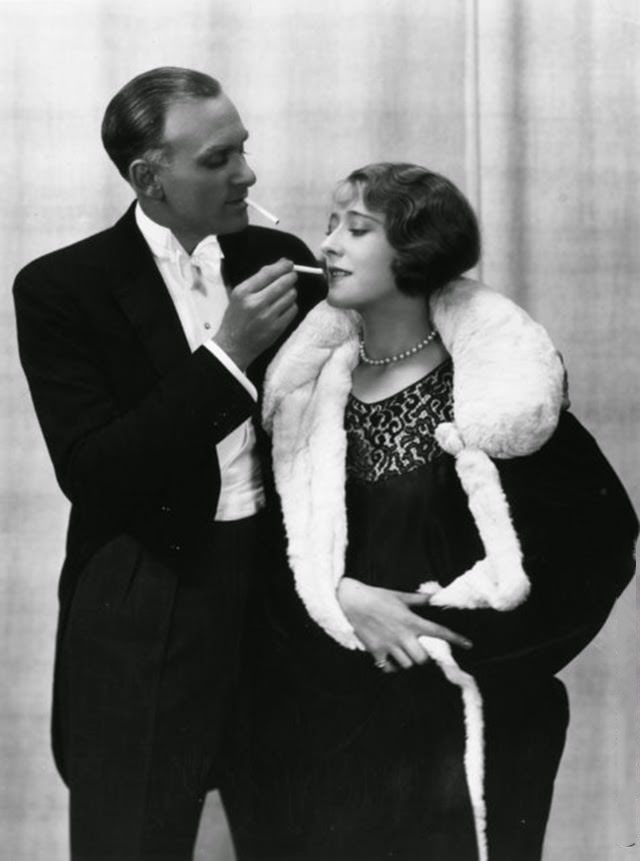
[(395, 435)]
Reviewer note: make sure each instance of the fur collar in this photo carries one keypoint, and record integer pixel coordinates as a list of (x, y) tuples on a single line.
[(508, 390)]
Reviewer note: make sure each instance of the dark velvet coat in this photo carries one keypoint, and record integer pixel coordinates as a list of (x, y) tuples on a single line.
[(349, 763), (336, 745)]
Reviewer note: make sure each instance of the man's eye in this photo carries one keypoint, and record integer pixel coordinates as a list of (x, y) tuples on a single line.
[(357, 231), (217, 162), (222, 160)]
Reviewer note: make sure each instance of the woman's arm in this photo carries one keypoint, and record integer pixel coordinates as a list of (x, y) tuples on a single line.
[(577, 532), (386, 624)]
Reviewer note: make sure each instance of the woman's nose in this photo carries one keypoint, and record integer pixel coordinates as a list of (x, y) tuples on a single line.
[(331, 246)]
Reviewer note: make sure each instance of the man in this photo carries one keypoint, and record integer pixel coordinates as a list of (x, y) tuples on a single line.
[(144, 366)]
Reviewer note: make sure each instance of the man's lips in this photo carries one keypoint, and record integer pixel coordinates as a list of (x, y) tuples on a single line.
[(238, 201)]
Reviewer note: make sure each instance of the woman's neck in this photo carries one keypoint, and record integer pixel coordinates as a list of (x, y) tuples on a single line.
[(389, 331)]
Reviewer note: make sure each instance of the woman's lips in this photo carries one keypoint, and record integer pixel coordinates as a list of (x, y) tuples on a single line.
[(335, 273)]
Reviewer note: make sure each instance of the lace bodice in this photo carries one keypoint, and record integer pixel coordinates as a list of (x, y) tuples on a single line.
[(395, 435)]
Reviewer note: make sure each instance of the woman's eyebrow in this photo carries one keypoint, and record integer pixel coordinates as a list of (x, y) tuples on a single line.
[(364, 215)]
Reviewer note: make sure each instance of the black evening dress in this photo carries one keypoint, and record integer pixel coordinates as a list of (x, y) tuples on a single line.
[(336, 761)]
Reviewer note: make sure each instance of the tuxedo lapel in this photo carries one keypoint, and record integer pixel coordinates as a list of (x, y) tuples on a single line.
[(238, 264), (144, 298), (243, 257)]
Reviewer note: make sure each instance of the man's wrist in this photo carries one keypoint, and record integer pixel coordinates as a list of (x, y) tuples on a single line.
[(237, 355)]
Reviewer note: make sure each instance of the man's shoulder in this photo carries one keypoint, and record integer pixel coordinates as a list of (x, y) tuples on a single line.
[(92, 252), (267, 240), (271, 235)]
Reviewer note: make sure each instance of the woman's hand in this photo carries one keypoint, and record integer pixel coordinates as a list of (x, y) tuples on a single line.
[(386, 625)]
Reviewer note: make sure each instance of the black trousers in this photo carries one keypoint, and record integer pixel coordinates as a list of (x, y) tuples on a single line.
[(142, 758)]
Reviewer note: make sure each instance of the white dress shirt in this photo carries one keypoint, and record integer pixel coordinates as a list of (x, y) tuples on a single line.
[(200, 298)]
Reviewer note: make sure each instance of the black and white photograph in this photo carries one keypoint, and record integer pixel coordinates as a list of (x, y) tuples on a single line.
[(320, 430)]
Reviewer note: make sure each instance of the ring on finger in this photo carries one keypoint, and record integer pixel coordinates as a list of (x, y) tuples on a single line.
[(382, 663)]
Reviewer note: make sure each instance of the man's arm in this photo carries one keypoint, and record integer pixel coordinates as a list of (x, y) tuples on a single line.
[(107, 457), (104, 456)]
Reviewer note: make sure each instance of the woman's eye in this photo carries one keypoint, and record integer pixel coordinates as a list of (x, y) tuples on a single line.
[(357, 231)]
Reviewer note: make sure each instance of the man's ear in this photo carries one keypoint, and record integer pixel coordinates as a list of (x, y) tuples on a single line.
[(143, 176)]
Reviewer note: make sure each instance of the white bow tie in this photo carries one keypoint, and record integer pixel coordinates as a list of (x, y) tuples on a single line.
[(205, 264), (208, 251)]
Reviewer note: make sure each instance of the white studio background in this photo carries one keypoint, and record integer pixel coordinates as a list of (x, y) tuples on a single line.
[(531, 107)]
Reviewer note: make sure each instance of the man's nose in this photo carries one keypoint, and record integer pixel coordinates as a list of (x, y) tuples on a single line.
[(243, 174)]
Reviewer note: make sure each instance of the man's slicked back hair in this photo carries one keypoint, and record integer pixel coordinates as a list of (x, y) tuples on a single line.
[(133, 123)]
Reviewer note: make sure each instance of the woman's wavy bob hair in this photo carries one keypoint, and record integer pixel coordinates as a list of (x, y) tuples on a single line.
[(428, 222)]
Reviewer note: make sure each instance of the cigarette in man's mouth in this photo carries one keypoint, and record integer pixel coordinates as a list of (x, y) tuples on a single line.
[(263, 211), (308, 270)]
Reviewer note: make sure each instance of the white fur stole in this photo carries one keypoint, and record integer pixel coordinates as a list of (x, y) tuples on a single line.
[(507, 392)]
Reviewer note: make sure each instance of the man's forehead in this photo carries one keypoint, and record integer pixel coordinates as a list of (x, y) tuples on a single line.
[(201, 123)]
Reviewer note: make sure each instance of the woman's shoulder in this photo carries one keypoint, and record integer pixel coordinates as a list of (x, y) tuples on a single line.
[(571, 471)]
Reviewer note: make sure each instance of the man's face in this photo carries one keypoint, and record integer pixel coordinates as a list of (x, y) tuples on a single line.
[(206, 178)]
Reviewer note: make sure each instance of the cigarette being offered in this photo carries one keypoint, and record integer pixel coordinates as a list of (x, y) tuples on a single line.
[(263, 211), (308, 270)]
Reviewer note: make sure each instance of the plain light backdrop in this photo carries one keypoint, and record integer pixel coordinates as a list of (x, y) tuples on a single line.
[(531, 107)]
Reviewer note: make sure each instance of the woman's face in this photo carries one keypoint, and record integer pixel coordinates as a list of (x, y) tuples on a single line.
[(357, 254)]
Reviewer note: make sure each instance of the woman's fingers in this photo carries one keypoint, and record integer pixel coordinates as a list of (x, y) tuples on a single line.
[(388, 626), (412, 598), (431, 629), (383, 662), (405, 655), (401, 657), (415, 651)]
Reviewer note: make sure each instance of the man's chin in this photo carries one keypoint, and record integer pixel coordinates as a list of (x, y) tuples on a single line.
[(233, 224)]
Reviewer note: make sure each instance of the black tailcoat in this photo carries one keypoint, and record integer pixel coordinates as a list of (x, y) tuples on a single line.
[(131, 419)]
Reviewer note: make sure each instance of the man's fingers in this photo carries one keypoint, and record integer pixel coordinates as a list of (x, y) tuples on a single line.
[(275, 290), (284, 303), (265, 277), (287, 316)]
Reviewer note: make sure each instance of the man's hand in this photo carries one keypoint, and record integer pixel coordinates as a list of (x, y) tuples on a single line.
[(386, 625), (259, 310)]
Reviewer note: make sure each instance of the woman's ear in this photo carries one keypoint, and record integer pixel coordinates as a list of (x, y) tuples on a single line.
[(144, 178)]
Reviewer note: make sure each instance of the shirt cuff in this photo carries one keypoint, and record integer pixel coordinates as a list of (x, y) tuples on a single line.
[(231, 366)]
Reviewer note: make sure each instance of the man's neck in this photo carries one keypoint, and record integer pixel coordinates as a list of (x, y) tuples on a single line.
[(187, 239)]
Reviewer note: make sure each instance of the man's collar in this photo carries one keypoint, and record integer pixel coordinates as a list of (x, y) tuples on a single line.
[(163, 243)]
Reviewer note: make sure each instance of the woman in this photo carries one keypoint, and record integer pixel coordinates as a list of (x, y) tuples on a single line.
[(454, 537)]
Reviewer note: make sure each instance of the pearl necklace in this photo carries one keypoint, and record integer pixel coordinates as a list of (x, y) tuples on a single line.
[(387, 360)]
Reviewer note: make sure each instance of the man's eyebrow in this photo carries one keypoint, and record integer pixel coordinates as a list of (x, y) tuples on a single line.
[(216, 149)]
